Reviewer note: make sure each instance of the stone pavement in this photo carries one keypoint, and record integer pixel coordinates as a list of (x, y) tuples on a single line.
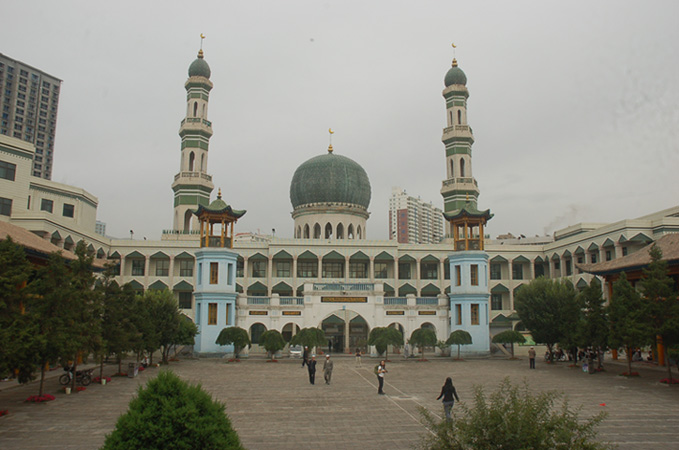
[(273, 406)]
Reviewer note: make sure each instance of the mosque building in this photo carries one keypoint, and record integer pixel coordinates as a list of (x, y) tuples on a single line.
[(330, 274)]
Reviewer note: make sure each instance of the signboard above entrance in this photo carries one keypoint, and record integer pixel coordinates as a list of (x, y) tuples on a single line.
[(344, 299)]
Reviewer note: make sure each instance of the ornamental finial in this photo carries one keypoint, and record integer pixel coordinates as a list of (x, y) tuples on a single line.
[(200, 52), (219, 193), (330, 140), (454, 60)]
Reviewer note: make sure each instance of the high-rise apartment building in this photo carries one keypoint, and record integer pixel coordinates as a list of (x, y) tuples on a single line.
[(29, 99), (413, 221)]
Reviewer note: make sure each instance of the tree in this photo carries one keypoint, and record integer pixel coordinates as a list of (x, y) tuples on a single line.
[(49, 316), (383, 337), (459, 337), (166, 319), (148, 334), (423, 337), (236, 336), (513, 418), (15, 329), (118, 328), (548, 309), (272, 341), (170, 414), (84, 309), (509, 337), (629, 318), (309, 337), (594, 325), (658, 291)]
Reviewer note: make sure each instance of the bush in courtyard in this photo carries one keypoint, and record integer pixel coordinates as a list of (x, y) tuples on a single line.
[(170, 414), (513, 418), (272, 341)]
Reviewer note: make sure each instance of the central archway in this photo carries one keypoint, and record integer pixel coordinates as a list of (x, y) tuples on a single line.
[(345, 331)]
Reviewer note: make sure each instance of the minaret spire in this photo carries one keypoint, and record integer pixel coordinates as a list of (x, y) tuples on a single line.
[(330, 133)]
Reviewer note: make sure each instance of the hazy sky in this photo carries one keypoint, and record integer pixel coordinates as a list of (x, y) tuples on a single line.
[(574, 105)]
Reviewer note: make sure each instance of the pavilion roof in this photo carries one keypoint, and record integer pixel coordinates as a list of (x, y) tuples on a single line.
[(469, 210)]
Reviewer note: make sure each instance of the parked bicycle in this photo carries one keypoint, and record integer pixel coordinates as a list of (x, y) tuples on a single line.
[(83, 377)]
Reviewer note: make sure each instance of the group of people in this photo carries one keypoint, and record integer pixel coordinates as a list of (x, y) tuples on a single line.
[(311, 366), (448, 392)]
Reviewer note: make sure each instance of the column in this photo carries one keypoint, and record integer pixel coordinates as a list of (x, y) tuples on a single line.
[(170, 279), (442, 276), (320, 268), (269, 275), (371, 270), (347, 330), (122, 269), (294, 278), (147, 266), (346, 269), (532, 269), (418, 284), (618, 250)]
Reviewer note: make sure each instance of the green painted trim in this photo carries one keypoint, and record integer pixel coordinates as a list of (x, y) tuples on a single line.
[(206, 190), (194, 143), (359, 256), (196, 84), (20, 153), (383, 256), (333, 256), (456, 139), (282, 255), (193, 132), (190, 200), (456, 150), (521, 259)]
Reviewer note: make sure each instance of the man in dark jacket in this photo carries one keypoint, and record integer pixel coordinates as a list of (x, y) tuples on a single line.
[(305, 356), (311, 365)]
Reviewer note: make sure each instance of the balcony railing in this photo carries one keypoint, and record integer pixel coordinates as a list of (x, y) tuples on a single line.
[(197, 120), (181, 231), (431, 301), (286, 301), (457, 128), (395, 301), (453, 181), (258, 300), (202, 175), (344, 287)]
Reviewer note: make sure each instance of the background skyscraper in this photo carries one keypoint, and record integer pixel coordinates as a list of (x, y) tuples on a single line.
[(30, 100), (413, 221)]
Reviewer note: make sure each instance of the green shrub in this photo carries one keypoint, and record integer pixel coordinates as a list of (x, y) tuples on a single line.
[(513, 418), (170, 414)]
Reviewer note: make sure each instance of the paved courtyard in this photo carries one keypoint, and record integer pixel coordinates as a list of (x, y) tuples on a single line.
[(273, 406)]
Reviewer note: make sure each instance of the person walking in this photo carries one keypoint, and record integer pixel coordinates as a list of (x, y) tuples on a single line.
[(305, 356), (358, 357), (381, 370), (531, 358), (311, 365), (327, 369), (449, 395)]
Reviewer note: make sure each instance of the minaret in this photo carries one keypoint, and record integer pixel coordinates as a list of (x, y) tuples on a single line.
[(192, 185), (459, 187), (469, 291)]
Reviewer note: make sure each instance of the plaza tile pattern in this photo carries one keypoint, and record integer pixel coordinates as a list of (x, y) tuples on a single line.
[(273, 406)]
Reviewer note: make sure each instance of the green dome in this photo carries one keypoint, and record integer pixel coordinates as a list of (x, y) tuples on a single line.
[(330, 178), (199, 68), (455, 76)]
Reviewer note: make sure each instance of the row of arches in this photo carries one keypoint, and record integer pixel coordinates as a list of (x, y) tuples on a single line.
[(329, 232), (194, 108), (192, 163), (69, 244)]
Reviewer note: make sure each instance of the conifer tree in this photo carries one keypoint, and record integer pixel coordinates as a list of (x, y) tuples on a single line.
[(594, 326)]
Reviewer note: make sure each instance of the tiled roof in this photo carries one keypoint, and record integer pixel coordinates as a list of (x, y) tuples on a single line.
[(32, 241), (668, 244)]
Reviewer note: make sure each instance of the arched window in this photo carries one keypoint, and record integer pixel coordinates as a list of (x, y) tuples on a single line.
[(462, 167), (187, 220), (317, 231), (306, 231), (328, 231), (195, 108), (192, 158), (450, 114), (350, 232), (204, 111), (459, 116), (452, 169), (358, 232), (340, 231), (298, 233)]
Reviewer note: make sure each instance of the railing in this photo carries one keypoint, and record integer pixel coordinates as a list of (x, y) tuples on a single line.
[(285, 301), (457, 128), (202, 175), (215, 241), (258, 300), (181, 231), (197, 120), (453, 181), (474, 244), (432, 301), (344, 287), (395, 301)]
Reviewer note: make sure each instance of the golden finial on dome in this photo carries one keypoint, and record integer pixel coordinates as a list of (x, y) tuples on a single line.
[(454, 60), (330, 144), (200, 52), (219, 193)]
